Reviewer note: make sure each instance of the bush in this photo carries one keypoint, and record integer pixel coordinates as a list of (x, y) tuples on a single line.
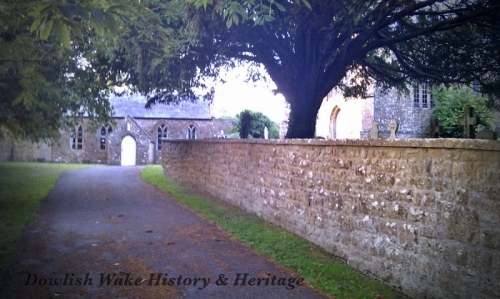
[(450, 105)]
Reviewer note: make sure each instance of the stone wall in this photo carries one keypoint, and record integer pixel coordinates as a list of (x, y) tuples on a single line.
[(23, 150), (420, 214), (411, 120)]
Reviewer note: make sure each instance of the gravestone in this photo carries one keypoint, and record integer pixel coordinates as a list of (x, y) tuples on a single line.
[(468, 122), (483, 133), (433, 129), (393, 127), (374, 131)]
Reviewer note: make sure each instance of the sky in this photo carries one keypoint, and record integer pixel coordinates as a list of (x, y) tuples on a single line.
[(235, 96)]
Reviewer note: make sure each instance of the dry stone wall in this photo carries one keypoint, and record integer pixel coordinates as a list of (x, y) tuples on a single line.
[(421, 214)]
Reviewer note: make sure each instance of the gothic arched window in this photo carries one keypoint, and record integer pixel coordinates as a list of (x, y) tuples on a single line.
[(79, 140), (76, 138), (162, 132), (191, 132)]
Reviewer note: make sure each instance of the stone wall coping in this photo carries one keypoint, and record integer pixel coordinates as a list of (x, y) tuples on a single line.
[(448, 143)]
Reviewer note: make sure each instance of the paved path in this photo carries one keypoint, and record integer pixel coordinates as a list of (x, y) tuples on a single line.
[(104, 225)]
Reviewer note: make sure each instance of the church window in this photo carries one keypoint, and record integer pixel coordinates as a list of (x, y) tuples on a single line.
[(76, 138), (191, 132), (162, 132), (103, 138), (422, 95), (79, 140), (416, 95)]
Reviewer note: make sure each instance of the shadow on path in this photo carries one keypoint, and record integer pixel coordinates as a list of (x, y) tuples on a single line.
[(105, 225)]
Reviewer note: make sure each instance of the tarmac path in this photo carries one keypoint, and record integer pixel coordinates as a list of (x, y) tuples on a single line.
[(104, 233)]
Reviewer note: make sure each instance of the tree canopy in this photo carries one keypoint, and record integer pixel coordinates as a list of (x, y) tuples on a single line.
[(251, 124), (42, 75), (310, 47)]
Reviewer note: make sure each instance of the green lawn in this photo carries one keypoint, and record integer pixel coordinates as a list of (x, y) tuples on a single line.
[(22, 187), (319, 268)]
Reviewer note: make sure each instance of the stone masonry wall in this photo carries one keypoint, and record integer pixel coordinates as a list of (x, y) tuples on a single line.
[(23, 150), (420, 214), (411, 120)]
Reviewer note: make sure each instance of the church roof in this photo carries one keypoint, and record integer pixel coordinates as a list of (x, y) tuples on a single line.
[(134, 105)]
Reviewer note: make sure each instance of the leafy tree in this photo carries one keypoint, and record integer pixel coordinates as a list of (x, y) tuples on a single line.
[(310, 47), (60, 59), (450, 105), (45, 83), (251, 124)]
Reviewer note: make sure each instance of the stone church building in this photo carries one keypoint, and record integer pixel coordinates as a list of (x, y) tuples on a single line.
[(135, 137)]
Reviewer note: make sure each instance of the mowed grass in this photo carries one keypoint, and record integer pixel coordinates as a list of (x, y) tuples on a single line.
[(22, 188), (319, 268)]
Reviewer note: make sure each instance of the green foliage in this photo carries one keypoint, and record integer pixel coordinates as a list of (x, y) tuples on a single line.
[(24, 185), (61, 17), (450, 105), (251, 124), (234, 12), (49, 72), (319, 268), (60, 59), (159, 54)]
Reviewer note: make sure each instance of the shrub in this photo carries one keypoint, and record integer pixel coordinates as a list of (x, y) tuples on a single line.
[(450, 105)]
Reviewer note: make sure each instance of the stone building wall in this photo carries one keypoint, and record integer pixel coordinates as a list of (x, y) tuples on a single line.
[(411, 120), (90, 151), (23, 151), (420, 214), (129, 127), (222, 126)]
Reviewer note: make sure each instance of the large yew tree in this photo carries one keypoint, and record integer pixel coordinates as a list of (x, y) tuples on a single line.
[(310, 47)]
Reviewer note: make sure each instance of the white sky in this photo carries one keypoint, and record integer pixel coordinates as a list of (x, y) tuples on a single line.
[(235, 96)]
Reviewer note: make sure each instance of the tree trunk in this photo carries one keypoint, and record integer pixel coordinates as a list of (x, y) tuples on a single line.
[(303, 114)]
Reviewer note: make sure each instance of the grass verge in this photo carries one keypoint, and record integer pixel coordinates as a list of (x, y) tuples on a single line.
[(22, 188), (319, 268)]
